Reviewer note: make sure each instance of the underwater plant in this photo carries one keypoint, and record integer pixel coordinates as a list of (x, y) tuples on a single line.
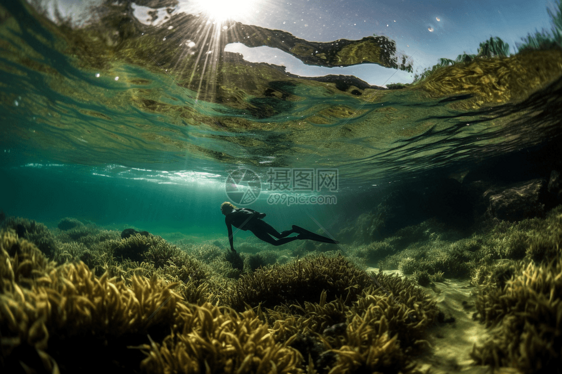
[(77, 233), (374, 332), (235, 259), (309, 318), (495, 274), (298, 281), (524, 320), (212, 339), (206, 252), (374, 252), (324, 309), (96, 237), (545, 39), (249, 248), (494, 47), (20, 262), (451, 259), (408, 266), (35, 232), (495, 80), (255, 261), (68, 223), (465, 57), (54, 319), (136, 247), (537, 239), (408, 311), (422, 277), (368, 351), (69, 252), (437, 277), (304, 248)]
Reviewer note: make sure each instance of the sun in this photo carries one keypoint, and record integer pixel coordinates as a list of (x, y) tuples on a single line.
[(222, 10)]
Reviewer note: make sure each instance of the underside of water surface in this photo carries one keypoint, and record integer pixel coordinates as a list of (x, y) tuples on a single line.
[(259, 186)]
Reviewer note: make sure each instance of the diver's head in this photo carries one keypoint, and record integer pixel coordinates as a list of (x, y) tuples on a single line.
[(227, 208)]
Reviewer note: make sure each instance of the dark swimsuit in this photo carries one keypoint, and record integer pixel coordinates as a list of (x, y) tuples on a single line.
[(248, 219)]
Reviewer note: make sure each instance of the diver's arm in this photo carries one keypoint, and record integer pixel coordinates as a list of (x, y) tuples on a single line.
[(230, 237)]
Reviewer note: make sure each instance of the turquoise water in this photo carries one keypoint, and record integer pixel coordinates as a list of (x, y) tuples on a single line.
[(89, 131)]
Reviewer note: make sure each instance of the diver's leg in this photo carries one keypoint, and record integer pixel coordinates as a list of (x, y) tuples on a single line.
[(263, 235), (286, 233), (264, 226)]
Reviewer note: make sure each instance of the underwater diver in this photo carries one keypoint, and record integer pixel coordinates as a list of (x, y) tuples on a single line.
[(248, 219)]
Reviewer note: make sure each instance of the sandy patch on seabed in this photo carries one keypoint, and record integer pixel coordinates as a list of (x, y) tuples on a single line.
[(450, 343)]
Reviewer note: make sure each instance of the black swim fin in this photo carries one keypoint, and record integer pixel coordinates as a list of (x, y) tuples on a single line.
[(305, 234)]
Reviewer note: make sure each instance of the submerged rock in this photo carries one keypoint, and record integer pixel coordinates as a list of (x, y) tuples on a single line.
[(446, 201), (518, 201), (449, 202)]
